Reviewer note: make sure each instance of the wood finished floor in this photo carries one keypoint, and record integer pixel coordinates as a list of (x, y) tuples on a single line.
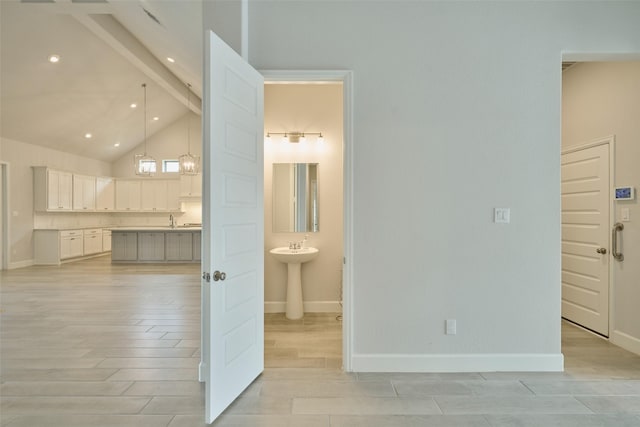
[(89, 344)]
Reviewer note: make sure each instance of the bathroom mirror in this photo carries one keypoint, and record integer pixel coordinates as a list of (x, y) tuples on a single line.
[(295, 197)]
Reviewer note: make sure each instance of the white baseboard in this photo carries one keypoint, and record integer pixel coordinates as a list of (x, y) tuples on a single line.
[(458, 363), (21, 264), (309, 307), (626, 341)]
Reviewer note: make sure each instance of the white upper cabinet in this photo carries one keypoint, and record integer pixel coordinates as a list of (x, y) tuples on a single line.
[(53, 190), (154, 196), (65, 191), (105, 194), (191, 186), (84, 193), (128, 195), (160, 195), (173, 196)]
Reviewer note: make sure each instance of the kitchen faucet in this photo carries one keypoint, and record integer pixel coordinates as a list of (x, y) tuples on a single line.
[(172, 224)]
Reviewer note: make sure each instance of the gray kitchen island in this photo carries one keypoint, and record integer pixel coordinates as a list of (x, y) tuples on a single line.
[(155, 244)]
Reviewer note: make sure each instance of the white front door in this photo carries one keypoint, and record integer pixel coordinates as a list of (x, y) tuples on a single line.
[(585, 236), (233, 226)]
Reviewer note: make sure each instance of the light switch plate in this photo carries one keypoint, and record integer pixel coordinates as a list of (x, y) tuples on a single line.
[(502, 215), (624, 214), (450, 326)]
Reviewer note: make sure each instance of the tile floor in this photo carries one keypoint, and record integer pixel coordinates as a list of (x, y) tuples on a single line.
[(89, 344)]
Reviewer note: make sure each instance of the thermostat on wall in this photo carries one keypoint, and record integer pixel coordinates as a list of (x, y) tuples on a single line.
[(625, 193)]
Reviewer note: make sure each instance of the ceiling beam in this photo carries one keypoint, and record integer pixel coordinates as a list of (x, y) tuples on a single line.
[(114, 34), (67, 7)]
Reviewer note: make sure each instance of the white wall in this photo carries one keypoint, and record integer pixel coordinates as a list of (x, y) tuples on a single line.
[(456, 111), (601, 99), (309, 108), (21, 157)]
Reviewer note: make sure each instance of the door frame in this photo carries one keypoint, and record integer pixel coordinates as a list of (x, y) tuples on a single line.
[(4, 222), (346, 78), (609, 141)]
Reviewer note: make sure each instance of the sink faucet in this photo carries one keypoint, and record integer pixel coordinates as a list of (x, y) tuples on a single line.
[(300, 244), (172, 223)]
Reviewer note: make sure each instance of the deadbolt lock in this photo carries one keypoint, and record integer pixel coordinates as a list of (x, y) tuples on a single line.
[(601, 250)]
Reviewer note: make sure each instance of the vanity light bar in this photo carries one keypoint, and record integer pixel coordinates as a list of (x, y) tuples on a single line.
[(296, 136)]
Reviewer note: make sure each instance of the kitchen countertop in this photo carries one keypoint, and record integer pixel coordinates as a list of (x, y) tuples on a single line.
[(103, 227), (156, 228), (127, 228)]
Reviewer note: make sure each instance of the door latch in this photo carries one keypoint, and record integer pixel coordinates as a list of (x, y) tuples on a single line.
[(206, 277)]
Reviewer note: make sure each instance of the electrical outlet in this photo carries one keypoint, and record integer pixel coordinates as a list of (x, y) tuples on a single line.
[(450, 326)]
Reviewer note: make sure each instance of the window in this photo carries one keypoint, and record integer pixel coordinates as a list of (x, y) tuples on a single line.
[(147, 166), (170, 166)]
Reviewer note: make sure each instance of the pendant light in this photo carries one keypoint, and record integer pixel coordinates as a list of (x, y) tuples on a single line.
[(144, 164), (189, 164)]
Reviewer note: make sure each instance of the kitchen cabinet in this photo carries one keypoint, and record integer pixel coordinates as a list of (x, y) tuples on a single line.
[(128, 195), (92, 241), (52, 189), (161, 244), (84, 193), (105, 194), (106, 240), (71, 244), (160, 196), (197, 248), (173, 196), (51, 247), (179, 246), (191, 186), (151, 246), (124, 246)]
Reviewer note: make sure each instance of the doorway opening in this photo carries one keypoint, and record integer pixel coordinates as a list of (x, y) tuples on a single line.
[(315, 103), (597, 100)]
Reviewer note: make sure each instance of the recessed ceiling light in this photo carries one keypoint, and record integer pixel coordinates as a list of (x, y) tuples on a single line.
[(117, 144), (54, 58), (87, 135), (170, 59), (133, 105), (156, 118)]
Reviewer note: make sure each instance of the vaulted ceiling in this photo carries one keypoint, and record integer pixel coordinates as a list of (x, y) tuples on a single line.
[(107, 49)]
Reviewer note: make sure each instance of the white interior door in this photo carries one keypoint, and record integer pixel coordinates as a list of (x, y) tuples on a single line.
[(233, 226), (585, 235)]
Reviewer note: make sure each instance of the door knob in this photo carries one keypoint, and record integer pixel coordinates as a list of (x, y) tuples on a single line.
[(601, 250), (217, 275)]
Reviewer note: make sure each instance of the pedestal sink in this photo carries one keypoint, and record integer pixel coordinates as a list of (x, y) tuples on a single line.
[(294, 259)]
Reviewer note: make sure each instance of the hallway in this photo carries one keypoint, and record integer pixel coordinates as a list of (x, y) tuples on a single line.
[(90, 344)]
